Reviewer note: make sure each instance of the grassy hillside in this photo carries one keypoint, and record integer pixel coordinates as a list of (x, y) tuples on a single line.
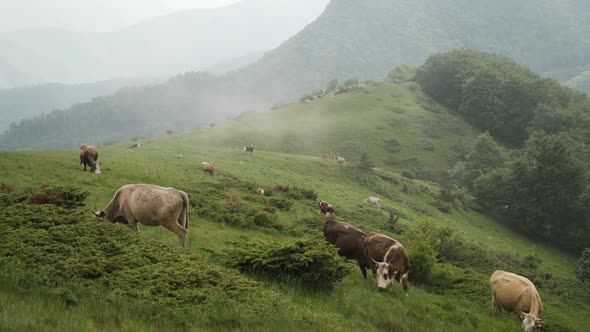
[(467, 246)]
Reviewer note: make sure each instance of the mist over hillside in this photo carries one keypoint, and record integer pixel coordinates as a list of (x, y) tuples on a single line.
[(349, 39), (162, 46), (24, 102)]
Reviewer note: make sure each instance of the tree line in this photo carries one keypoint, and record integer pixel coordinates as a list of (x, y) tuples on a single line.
[(538, 180)]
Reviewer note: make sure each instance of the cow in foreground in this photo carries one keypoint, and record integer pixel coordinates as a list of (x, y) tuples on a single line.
[(150, 205), (349, 241), (389, 260), (373, 200), (516, 293), (250, 149), (326, 208), (89, 157), (208, 168)]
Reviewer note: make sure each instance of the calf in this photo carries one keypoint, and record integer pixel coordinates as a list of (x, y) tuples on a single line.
[(89, 157), (389, 260), (326, 208), (208, 168)]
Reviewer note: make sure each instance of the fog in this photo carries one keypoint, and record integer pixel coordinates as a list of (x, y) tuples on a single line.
[(91, 15)]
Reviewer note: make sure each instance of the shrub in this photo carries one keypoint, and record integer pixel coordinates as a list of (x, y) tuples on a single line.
[(266, 220), (281, 203), (583, 266), (67, 197), (407, 174), (311, 261)]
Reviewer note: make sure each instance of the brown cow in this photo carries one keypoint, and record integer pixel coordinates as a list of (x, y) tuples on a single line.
[(326, 208), (259, 191), (516, 293), (389, 260), (349, 241), (149, 205), (89, 156), (208, 168)]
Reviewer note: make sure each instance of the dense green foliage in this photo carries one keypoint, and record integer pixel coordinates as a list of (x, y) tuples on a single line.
[(72, 253), (583, 265), (541, 189), (310, 261)]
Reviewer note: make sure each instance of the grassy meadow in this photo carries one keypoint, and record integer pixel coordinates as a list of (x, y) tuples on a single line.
[(465, 246)]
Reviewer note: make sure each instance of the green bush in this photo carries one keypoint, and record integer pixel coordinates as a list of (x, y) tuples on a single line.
[(281, 203), (408, 174), (311, 261), (583, 266)]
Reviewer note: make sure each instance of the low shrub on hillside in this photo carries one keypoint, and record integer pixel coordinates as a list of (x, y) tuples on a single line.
[(311, 261), (57, 249), (67, 197)]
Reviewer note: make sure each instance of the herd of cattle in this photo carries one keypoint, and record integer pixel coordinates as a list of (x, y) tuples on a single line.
[(152, 205)]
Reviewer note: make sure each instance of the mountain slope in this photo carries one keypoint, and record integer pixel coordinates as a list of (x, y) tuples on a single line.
[(162, 46), (455, 296), (25, 102), (358, 39)]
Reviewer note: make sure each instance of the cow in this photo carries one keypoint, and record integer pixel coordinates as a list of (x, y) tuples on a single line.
[(349, 241), (89, 156), (150, 205), (340, 160), (135, 146), (326, 208), (388, 259), (373, 200), (259, 191), (516, 293), (208, 168), (250, 148)]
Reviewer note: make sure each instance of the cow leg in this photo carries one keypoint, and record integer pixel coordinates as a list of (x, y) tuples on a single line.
[(404, 283), (134, 226), (496, 309), (363, 270), (179, 230), (84, 167)]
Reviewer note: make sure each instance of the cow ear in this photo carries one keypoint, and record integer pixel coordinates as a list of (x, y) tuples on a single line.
[(539, 323), (521, 315)]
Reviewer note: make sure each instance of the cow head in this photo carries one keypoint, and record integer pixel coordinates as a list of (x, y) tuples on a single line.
[(530, 321), (95, 168), (100, 214), (385, 274)]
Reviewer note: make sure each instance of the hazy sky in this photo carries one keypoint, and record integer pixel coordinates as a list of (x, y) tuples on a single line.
[(91, 15)]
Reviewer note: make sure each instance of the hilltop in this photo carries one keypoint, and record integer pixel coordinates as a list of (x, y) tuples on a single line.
[(453, 249), (349, 39)]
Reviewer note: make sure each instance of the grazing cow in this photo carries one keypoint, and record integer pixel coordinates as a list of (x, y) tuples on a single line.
[(516, 293), (89, 156), (349, 241), (149, 205), (389, 260), (326, 208), (259, 191), (340, 160), (208, 168), (135, 146), (373, 200), (250, 148)]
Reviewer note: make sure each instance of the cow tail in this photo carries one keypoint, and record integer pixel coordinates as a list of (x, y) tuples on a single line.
[(185, 210)]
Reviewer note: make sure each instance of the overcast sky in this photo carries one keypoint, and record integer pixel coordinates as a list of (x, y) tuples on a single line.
[(91, 15)]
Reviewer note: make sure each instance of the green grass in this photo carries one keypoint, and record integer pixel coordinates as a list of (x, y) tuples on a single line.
[(336, 124)]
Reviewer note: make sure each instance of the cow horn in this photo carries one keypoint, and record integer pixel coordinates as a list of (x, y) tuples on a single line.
[(374, 261), (521, 315)]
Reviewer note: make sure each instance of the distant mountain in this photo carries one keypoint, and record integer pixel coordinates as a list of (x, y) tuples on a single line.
[(162, 46), (25, 102), (362, 39)]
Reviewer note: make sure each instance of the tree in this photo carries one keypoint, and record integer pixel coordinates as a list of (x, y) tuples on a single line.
[(365, 163), (583, 265), (332, 85), (484, 155)]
